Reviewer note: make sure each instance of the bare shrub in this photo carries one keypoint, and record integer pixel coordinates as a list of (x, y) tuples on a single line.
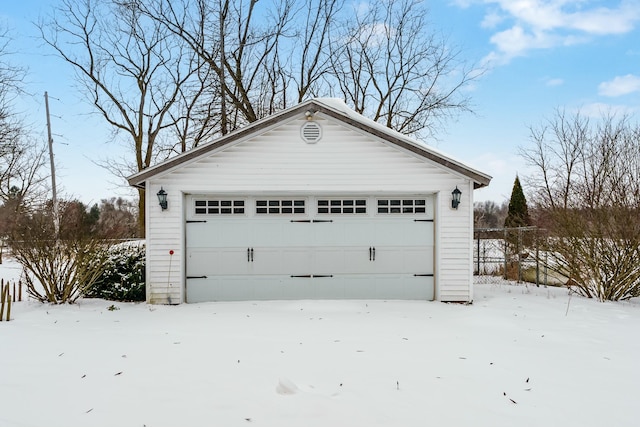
[(588, 185), (58, 270)]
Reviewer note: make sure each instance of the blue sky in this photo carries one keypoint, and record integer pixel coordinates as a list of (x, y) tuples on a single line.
[(540, 55)]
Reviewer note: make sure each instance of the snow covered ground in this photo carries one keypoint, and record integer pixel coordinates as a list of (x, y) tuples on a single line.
[(519, 356)]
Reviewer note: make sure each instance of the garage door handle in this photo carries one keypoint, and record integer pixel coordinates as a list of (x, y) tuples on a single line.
[(423, 275), (196, 277), (372, 253), (249, 254)]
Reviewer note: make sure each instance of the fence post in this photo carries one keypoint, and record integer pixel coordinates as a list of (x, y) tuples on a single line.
[(478, 263), (2, 299), (506, 254), (537, 259), (518, 254), (546, 263)]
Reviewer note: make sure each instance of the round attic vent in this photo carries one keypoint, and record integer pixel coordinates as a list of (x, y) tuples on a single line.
[(311, 132)]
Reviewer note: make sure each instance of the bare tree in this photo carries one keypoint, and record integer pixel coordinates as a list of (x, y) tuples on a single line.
[(587, 181), (238, 40), (392, 68), (169, 74), (385, 61), (116, 219), (128, 67), (489, 214), (310, 63), (22, 181)]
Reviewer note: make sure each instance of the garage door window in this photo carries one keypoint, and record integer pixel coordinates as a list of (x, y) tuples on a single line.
[(280, 206), (219, 207), (401, 206), (342, 206)]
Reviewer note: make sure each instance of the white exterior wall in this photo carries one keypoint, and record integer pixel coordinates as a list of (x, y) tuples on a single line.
[(344, 161)]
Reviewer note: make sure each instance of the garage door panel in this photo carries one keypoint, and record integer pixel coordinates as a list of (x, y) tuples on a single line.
[(403, 232), (276, 288), (240, 288), (403, 286), (406, 260), (327, 233), (297, 233), (342, 232), (420, 287), (266, 261), (297, 261), (268, 232), (266, 257), (214, 261), (341, 260), (417, 233), (227, 233), (418, 260)]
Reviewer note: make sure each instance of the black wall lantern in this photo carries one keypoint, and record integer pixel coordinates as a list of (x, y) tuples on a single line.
[(162, 198), (455, 198)]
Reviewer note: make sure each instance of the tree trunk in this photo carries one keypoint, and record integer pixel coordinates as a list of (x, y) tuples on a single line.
[(141, 213)]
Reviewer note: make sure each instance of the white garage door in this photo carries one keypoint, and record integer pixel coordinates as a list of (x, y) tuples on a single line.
[(270, 248)]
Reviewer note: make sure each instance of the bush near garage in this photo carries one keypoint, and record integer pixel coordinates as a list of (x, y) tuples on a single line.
[(123, 277)]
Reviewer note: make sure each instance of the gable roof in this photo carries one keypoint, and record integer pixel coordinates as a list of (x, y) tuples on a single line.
[(330, 107)]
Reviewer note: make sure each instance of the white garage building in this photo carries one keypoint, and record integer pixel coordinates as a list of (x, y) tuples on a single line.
[(315, 202)]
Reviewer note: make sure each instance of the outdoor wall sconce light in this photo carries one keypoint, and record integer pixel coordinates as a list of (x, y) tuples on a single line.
[(162, 198), (455, 198)]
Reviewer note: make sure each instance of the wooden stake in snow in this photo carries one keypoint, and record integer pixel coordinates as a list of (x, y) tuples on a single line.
[(5, 297), (2, 298)]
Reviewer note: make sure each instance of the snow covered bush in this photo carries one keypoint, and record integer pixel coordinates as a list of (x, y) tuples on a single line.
[(123, 276), (59, 265), (59, 271)]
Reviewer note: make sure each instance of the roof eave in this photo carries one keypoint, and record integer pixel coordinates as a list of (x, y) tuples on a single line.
[(138, 180)]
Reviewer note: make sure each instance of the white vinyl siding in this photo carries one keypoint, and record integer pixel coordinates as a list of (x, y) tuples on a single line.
[(278, 162)]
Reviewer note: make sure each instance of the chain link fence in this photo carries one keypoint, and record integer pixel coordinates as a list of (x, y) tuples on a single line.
[(511, 254)]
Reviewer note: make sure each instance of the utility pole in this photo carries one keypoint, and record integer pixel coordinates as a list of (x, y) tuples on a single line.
[(56, 217)]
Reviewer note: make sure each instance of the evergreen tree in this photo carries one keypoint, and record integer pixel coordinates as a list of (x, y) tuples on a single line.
[(518, 214)]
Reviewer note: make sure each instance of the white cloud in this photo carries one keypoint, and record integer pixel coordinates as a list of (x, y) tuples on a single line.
[(597, 110), (516, 41), (491, 20), (554, 82), (543, 24), (620, 85), (602, 21)]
